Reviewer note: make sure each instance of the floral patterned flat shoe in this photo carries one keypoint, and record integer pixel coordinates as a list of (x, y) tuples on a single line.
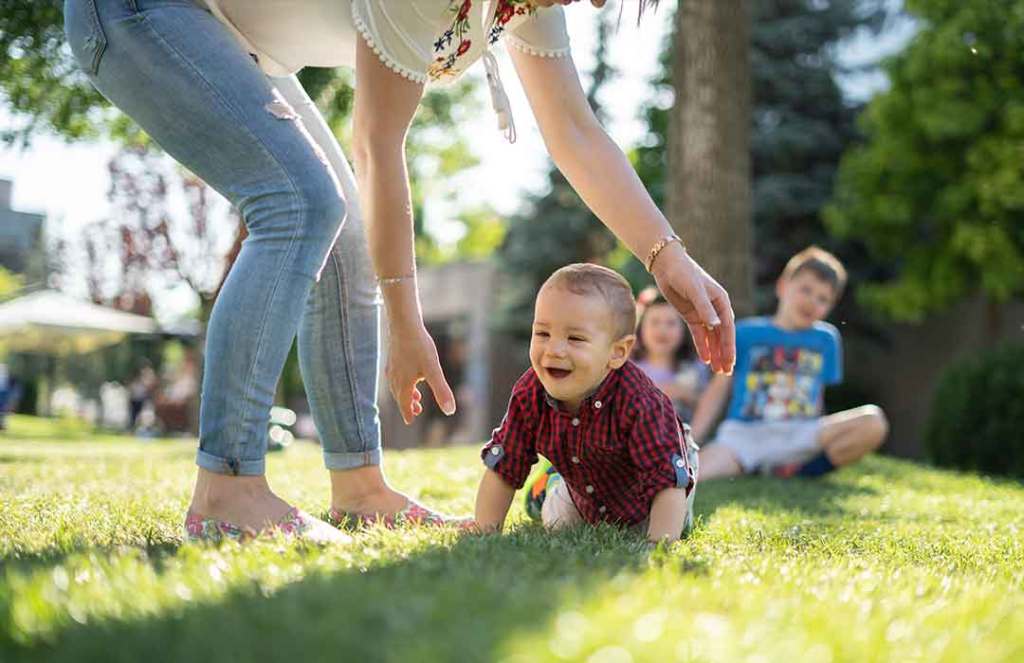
[(413, 514), (295, 523)]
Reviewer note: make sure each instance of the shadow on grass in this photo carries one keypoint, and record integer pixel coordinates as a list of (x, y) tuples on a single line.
[(25, 563), (450, 603)]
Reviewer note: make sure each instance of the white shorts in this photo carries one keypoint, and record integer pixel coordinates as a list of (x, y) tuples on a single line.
[(758, 444), (558, 509)]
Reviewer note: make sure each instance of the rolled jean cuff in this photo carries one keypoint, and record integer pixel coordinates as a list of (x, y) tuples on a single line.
[(232, 466), (350, 460)]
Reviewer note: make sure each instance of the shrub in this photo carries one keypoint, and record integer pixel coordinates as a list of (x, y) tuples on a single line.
[(977, 417)]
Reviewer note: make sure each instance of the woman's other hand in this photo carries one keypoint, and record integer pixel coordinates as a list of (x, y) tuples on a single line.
[(412, 358), (703, 303)]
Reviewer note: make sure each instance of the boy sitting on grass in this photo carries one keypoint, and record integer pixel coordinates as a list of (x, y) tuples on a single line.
[(774, 423), (620, 453)]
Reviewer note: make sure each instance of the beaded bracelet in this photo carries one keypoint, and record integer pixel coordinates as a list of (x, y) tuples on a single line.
[(659, 245)]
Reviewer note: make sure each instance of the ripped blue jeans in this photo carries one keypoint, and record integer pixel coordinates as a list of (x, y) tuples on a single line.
[(304, 268)]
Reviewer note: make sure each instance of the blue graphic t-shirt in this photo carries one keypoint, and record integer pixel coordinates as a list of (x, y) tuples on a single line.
[(781, 374)]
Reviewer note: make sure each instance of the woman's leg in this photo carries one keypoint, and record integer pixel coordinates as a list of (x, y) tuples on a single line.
[(183, 78), (339, 343)]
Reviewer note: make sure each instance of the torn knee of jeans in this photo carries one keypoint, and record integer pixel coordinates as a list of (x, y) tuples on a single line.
[(280, 108)]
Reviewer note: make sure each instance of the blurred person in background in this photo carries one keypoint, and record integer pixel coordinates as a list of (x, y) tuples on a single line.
[(5, 392), (662, 352), (141, 391)]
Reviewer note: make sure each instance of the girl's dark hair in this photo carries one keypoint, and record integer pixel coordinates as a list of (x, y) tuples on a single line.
[(652, 297)]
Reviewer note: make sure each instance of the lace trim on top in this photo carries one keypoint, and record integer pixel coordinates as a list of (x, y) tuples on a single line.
[(521, 45), (364, 30)]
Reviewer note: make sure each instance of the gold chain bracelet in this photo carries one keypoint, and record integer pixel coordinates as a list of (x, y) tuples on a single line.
[(392, 280), (658, 246)]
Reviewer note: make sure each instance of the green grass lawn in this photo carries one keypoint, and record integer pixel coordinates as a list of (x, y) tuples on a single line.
[(887, 561)]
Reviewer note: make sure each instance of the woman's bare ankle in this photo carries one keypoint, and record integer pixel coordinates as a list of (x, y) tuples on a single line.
[(246, 501), (364, 490), (381, 501)]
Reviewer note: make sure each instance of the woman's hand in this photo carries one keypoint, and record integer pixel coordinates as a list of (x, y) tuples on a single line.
[(412, 358), (702, 302)]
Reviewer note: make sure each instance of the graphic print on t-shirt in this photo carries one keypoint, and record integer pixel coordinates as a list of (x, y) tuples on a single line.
[(782, 383), (781, 373)]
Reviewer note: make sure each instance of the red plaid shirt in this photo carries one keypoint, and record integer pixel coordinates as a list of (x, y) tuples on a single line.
[(623, 447)]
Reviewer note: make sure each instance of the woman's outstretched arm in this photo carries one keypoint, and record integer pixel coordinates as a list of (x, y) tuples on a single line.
[(385, 103), (605, 180)]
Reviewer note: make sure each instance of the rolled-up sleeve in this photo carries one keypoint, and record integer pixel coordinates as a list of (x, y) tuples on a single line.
[(511, 451), (543, 34), (658, 448)]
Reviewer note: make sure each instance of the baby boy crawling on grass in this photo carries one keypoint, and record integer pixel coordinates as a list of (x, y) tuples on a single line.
[(620, 453)]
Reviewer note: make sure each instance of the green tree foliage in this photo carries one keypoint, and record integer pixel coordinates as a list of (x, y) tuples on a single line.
[(10, 283), (937, 190), (38, 79), (800, 126)]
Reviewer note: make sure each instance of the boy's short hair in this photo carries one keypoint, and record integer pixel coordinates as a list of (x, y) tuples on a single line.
[(822, 264), (584, 278)]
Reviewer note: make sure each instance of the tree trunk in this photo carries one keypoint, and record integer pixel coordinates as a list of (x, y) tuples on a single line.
[(709, 194)]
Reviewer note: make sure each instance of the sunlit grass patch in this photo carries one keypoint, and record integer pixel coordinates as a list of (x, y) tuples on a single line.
[(886, 561)]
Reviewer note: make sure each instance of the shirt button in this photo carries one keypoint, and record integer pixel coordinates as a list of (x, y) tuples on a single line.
[(495, 451), (602, 509), (575, 421), (597, 404), (576, 460), (680, 463), (590, 489)]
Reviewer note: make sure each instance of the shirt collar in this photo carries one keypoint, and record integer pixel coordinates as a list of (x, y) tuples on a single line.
[(597, 399)]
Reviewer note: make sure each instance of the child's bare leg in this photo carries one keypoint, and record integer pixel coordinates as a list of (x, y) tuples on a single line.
[(716, 461), (558, 510), (848, 436)]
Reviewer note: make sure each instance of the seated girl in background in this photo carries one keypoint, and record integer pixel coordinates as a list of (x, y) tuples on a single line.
[(662, 352)]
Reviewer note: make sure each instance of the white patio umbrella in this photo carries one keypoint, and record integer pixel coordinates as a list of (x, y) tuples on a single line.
[(53, 322)]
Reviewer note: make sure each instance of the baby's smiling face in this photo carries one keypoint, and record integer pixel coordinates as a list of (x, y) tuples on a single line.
[(573, 345)]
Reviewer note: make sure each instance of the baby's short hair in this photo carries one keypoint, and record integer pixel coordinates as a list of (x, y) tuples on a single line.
[(822, 264), (584, 278)]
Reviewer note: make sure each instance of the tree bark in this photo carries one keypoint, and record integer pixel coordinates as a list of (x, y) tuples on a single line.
[(709, 192)]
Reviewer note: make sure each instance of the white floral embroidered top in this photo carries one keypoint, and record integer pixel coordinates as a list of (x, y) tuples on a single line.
[(425, 41)]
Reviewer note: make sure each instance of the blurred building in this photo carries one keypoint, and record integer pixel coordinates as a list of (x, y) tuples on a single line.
[(21, 233)]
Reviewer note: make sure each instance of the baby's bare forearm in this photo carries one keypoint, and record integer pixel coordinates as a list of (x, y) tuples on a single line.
[(493, 499), (668, 514)]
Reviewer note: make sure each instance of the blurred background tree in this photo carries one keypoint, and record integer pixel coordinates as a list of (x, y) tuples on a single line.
[(10, 283), (800, 124), (936, 192), (709, 200)]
